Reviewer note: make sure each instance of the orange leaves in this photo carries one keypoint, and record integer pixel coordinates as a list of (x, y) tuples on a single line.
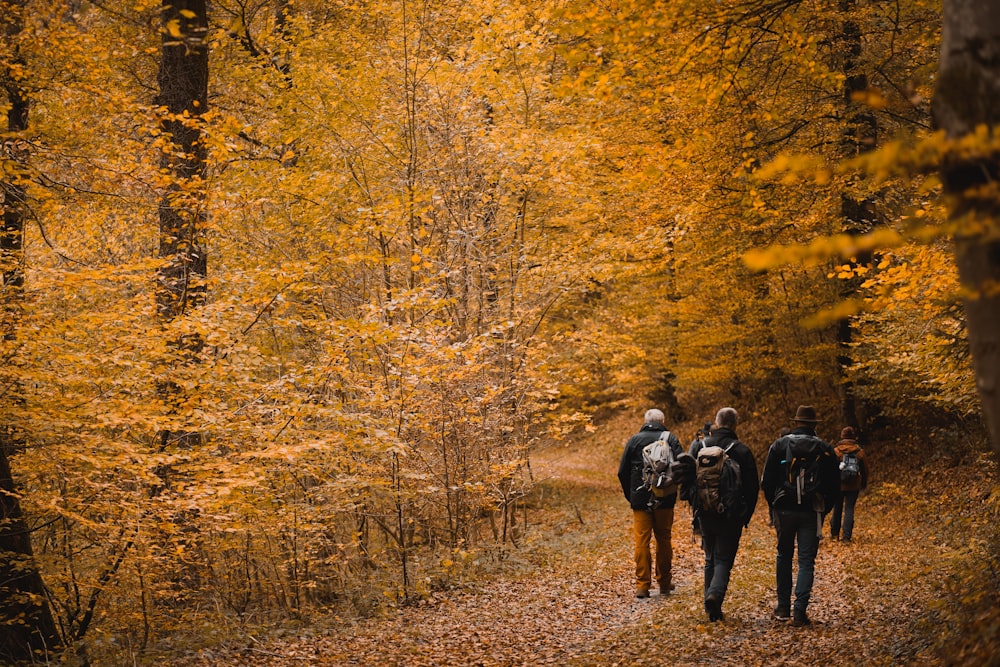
[(793, 168), (820, 249)]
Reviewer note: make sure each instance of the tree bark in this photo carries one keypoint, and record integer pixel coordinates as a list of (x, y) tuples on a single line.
[(27, 628), (183, 94), (966, 98), (860, 135)]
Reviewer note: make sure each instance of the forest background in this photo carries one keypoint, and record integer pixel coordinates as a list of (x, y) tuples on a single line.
[(291, 290)]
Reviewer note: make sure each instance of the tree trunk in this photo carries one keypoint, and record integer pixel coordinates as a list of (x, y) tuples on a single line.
[(27, 628), (966, 97), (183, 81), (858, 216)]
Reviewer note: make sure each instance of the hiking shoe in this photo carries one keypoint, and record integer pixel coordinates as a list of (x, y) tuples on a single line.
[(642, 593), (665, 590), (782, 613), (713, 606), (800, 620)]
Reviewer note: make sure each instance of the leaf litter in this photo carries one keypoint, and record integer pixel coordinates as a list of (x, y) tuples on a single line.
[(567, 597)]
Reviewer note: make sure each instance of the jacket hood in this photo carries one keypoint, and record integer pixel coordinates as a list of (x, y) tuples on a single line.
[(847, 447)]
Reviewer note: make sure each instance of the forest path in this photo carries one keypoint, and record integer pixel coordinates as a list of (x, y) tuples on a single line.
[(573, 601)]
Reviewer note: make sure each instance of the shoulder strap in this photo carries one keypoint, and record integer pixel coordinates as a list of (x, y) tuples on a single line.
[(787, 463), (665, 437)]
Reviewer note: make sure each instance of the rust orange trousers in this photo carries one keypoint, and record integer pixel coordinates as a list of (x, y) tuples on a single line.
[(655, 525)]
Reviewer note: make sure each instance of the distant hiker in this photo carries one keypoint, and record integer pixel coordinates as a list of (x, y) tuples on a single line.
[(723, 511), (853, 480), (652, 516), (696, 445), (801, 483), (699, 439)]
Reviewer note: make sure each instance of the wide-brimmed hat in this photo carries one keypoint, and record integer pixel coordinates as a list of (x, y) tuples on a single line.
[(805, 414)]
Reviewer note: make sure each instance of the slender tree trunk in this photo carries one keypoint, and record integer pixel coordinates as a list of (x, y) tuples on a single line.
[(181, 288), (858, 215), (27, 628), (183, 81), (967, 92)]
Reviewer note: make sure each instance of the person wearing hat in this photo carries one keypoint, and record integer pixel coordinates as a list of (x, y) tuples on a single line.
[(850, 485), (801, 482), (699, 439)]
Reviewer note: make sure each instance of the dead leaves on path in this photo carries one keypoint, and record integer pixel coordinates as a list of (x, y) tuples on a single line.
[(880, 601)]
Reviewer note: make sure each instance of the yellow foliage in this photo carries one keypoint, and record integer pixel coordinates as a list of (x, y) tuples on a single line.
[(433, 239)]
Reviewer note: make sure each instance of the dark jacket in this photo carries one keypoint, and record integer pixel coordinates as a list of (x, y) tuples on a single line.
[(723, 437), (852, 447), (696, 446), (630, 467), (774, 480)]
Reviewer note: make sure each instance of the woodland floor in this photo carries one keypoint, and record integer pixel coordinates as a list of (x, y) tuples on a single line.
[(567, 598)]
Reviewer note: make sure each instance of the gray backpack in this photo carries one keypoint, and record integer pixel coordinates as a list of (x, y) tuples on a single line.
[(656, 459)]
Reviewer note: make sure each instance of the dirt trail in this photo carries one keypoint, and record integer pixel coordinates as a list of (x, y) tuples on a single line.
[(574, 603)]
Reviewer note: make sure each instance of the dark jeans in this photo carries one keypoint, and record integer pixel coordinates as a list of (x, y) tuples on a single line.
[(720, 538), (848, 499), (804, 528)]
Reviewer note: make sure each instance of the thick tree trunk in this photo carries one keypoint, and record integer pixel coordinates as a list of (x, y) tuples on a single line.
[(966, 97), (27, 629), (183, 81)]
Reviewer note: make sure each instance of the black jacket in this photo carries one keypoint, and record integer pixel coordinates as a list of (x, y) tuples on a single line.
[(723, 437), (774, 484), (630, 467)]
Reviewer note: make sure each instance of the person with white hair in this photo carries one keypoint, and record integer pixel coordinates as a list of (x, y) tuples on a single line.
[(652, 515)]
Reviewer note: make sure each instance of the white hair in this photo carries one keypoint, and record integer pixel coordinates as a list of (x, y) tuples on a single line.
[(654, 416), (727, 418)]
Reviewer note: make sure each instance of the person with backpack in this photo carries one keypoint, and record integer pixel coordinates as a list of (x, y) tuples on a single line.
[(699, 439), (693, 449), (722, 490), (652, 495), (853, 480), (801, 484)]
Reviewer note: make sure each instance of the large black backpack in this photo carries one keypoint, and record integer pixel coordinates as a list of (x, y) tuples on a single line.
[(803, 466)]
